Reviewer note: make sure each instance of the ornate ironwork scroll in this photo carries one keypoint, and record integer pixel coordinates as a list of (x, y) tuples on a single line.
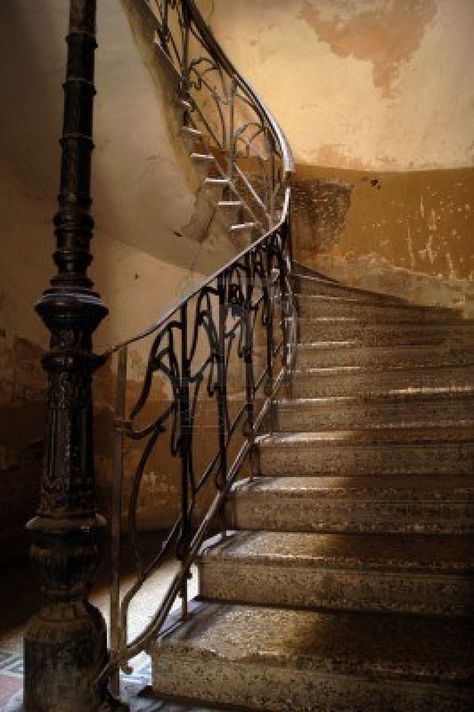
[(214, 362), (251, 151)]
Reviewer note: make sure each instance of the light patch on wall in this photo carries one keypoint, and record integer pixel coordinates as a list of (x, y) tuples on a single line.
[(387, 36)]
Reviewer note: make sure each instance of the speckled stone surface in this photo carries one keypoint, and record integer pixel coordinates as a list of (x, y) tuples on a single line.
[(347, 584), (349, 353), (325, 305), (419, 574), (367, 380), (379, 411), (317, 286), (378, 451), (277, 659), (358, 504), (344, 328)]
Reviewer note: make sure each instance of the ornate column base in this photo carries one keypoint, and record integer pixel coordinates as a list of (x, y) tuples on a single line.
[(65, 643)]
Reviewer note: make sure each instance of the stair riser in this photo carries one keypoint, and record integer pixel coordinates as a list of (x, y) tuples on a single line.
[(275, 585), (259, 686), (382, 334), (331, 289), (349, 515), (310, 308), (402, 415), (378, 356), (309, 384), (377, 459)]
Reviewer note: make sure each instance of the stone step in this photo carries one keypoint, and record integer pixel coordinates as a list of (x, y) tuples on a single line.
[(405, 573), (383, 410), (311, 305), (367, 380), (410, 504), (383, 451), (384, 334), (352, 353), (318, 286), (284, 660)]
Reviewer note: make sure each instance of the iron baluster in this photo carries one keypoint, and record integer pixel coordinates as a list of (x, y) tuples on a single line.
[(232, 149), (185, 449), (185, 57), (269, 315), (116, 629), (222, 381), (247, 313)]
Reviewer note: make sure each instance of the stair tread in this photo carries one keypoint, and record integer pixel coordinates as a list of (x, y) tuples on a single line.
[(331, 299), (441, 369), (450, 488), (388, 398), (438, 436), (405, 647), (343, 344), (315, 282), (383, 321), (387, 552)]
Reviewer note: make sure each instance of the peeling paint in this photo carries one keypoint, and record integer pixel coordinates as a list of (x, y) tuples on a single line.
[(402, 225), (383, 33)]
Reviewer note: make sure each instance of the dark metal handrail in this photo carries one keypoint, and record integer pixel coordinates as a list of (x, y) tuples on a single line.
[(222, 351)]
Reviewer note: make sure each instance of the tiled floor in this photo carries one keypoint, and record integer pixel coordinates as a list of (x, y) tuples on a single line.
[(16, 585)]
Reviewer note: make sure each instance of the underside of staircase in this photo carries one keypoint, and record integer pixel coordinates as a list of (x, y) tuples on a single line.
[(346, 580)]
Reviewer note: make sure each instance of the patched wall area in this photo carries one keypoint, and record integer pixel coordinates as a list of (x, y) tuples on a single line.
[(377, 100), (360, 84), (409, 234)]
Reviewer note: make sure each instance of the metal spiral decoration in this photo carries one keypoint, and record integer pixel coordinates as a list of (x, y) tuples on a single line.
[(222, 351)]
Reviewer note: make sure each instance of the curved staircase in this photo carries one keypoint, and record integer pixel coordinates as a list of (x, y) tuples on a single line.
[(346, 581)]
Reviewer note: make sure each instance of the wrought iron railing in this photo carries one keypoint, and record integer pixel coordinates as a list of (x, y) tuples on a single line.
[(215, 361)]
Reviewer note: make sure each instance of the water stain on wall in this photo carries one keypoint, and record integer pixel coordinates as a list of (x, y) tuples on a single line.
[(387, 36), (410, 232)]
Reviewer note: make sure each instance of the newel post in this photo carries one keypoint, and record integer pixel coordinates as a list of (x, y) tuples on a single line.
[(65, 643)]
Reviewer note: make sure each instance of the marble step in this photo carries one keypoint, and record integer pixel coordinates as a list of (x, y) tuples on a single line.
[(281, 660), (409, 504), (351, 353), (384, 452), (310, 305), (306, 284), (382, 410), (368, 380), (384, 333), (405, 573)]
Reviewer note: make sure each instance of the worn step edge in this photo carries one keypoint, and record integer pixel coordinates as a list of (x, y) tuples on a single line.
[(341, 577), (350, 438), (406, 488), (390, 553), (412, 648), (384, 323)]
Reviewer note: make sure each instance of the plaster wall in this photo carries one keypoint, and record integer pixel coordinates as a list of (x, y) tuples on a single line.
[(360, 84), (152, 240), (377, 100)]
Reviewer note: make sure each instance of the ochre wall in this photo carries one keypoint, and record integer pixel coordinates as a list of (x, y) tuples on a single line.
[(362, 84), (407, 233), (377, 100)]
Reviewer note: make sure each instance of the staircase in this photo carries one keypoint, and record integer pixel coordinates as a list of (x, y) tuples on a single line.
[(346, 580)]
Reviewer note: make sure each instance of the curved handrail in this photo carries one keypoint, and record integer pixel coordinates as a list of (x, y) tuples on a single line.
[(178, 305), (193, 342), (218, 53)]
